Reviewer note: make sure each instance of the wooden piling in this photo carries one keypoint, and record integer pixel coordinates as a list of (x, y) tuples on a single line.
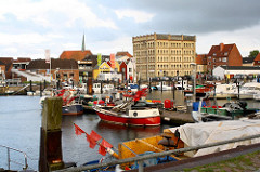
[(51, 135)]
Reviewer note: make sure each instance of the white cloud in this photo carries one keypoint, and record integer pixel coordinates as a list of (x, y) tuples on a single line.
[(40, 12), (32, 38), (71, 46), (10, 50), (123, 43), (246, 39), (139, 16)]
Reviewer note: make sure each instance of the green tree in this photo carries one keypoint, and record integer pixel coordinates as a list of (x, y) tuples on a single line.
[(253, 53)]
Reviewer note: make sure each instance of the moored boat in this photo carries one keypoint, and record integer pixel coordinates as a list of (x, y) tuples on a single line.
[(133, 112), (71, 105)]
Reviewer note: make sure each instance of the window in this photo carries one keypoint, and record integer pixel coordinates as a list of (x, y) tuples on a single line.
[(209, 57), (224, 59), (214, 54), (214, 60), (130, 69)]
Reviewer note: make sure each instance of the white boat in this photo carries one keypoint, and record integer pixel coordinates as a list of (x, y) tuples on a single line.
[(183, 85), (164, 86), (249, 90), (196, 134), (226, 90)]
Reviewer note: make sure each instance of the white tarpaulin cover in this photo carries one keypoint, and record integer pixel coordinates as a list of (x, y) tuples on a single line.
[(196, 134)]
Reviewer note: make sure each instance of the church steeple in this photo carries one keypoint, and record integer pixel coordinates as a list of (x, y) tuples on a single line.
[(83, 46)]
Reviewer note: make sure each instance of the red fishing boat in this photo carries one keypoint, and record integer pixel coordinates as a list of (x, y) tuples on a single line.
[(133, 112)]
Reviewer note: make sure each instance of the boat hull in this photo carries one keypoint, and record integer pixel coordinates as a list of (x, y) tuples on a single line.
[(74, 109), (146, 121)]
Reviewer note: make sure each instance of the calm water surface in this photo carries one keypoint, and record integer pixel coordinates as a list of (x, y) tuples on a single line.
[(20, 122)]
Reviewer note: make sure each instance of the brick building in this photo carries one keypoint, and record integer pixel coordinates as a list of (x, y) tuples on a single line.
[(224, 55)]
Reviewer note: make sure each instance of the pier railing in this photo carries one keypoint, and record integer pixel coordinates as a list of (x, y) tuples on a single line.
[(9, 160), (140, 159)]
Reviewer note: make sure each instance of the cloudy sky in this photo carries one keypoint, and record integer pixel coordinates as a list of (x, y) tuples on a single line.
[(28, 27)]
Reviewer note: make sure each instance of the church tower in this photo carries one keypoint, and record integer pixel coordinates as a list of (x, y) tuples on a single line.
[(83, 46)]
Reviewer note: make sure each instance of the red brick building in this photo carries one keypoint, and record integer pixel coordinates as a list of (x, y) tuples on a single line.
[(123, 71), (201, 62), (8, 62), (257, 60), (65, 68), (224, 55)]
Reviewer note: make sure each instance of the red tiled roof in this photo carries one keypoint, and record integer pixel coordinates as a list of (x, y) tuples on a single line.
[(257, 58), (6, 60), (201, 59), (55, 63), (216, 49), (123, 53), (23, 59), (77, 55)]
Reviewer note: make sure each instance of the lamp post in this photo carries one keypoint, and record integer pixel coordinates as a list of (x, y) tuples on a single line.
[(57, 69), (194, 81)]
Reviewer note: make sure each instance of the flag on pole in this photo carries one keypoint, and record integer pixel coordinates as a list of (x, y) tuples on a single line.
[(99, 59), (112, 60), (47, 54), (103, 146), (78, 130)]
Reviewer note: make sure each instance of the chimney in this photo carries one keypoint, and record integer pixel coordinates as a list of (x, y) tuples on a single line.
[(221, 46)]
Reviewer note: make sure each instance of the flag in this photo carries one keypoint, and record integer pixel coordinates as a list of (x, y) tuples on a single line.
[(91, 141), (78, 130), (112, 60), (99, 59), (95, 136), (47, 56), (103, 146)]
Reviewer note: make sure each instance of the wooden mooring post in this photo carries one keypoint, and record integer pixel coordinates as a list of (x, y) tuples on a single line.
[(50, 140)]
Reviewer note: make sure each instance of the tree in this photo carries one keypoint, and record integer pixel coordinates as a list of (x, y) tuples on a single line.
[(253, 53)]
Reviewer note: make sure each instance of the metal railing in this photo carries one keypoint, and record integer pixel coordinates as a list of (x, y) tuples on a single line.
[(141, 159), (25, 164)]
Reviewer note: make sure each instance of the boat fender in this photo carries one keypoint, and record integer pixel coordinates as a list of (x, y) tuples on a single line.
[(110, 151)]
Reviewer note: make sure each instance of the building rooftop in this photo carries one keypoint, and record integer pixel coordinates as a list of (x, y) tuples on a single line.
[(77, 55), (241, 67), (55, 63), (221, 50)]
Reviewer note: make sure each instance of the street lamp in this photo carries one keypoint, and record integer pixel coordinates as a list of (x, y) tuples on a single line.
[(57, 69), (194, 81)]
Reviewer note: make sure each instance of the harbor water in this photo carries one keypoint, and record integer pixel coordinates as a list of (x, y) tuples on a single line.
[(20, 122)]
